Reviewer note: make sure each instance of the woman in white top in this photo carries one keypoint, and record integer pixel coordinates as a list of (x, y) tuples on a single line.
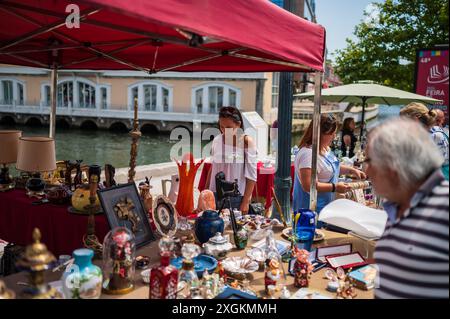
[(328, 168), (234, 154)]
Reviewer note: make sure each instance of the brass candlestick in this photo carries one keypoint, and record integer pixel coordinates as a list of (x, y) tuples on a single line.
[(90, 240), (135, 135)]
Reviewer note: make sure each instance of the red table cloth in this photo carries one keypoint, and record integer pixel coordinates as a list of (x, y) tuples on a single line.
[(264, 184), (61, 231)]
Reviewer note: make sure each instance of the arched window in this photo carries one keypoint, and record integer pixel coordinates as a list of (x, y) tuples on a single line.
[(152, 96), (210, 97), (12, 91), (77, 93)]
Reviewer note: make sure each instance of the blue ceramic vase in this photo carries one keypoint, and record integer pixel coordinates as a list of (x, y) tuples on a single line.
[(208, 225), (82, 280)]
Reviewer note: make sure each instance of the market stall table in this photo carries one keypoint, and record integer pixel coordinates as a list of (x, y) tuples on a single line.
[(317, 283), (264, 184), (62, 231)]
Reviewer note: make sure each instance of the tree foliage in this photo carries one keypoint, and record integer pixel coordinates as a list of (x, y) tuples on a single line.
[(387, 39)]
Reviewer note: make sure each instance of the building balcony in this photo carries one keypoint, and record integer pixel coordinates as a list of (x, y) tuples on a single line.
[(113, 112)]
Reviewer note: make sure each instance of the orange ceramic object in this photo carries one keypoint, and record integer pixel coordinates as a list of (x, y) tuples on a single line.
[(185, 199), (206, 201)]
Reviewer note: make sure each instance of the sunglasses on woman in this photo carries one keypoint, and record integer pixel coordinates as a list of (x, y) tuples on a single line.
[(230, 112)]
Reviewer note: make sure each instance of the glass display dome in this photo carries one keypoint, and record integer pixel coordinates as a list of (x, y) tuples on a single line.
[(119, 249)]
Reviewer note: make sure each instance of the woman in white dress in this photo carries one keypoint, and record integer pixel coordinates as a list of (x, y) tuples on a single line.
[(234, 154)]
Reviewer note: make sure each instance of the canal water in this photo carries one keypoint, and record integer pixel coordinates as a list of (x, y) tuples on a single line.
[(107, 147)]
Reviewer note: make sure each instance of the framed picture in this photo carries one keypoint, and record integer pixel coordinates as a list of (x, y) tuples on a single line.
[(123, 208), (164, 215)]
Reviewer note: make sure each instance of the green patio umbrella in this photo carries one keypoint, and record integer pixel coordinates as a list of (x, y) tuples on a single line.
[(365, 92)]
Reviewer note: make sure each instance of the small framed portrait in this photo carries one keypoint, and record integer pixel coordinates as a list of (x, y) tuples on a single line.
[(123, 207)]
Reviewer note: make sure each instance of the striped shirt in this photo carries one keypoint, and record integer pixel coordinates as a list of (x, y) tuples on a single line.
[(412, 254)]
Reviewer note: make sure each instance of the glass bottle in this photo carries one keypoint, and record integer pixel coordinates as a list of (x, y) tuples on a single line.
[(164, 278), (187, 272), (304, 228)]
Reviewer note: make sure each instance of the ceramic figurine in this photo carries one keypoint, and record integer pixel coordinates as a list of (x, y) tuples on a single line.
[(335, 278), (146, 197), (82, 279), (346, 288), (206, 201), (208, 225), (221, 271), (164, 278), (273, 273), (118, 261), (302, 268)]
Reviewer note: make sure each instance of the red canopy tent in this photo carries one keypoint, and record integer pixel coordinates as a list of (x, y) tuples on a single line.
[(156, 36)]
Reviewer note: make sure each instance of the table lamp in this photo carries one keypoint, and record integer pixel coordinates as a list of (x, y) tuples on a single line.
[(36, 155), (9, 141)]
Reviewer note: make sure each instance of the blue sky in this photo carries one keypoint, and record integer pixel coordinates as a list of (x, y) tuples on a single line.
[(340, 17)]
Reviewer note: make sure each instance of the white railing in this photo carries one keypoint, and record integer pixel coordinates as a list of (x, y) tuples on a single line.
[(109, 113)]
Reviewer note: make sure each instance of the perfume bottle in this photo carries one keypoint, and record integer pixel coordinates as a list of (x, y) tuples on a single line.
[(187, 272), (164, 278)]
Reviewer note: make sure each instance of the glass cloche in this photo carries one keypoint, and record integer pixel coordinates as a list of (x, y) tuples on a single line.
[(119, 248)]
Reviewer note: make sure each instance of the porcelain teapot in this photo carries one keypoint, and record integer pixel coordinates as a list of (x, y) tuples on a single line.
[(218, 246), (174, 185)]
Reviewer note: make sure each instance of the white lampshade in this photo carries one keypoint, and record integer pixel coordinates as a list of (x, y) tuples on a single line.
[(36, 154), (9, 141)]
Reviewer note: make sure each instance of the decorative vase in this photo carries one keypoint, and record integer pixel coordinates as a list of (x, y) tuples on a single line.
[(208, 225), (174, 186), (185, 199), (80, 198), (82, 280)]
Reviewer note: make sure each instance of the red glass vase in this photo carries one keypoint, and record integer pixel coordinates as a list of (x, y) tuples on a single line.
[(185, 199)]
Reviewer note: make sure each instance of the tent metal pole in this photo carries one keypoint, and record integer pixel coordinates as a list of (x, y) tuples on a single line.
[(53, 91), (283, 180), (363, 114), (315, 140)]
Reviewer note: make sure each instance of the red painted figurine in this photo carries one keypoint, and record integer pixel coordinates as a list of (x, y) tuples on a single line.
[(302, 268)]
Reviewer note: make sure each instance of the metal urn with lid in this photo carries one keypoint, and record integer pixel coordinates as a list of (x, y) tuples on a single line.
[(36, 260), (218, 246)]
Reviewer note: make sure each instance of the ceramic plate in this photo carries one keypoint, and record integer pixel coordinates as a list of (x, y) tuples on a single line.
[(240, 265), (256, 254), (201, 262), (164, 215), (318, 236)]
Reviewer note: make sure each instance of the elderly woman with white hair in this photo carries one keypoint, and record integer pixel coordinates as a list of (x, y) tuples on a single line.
[(403, 165)]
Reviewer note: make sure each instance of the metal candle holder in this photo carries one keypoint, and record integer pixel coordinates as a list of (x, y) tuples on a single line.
[(135, 135), (90, 240)]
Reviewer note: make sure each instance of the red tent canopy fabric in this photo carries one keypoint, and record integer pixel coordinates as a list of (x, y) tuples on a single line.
[(163, 35)]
